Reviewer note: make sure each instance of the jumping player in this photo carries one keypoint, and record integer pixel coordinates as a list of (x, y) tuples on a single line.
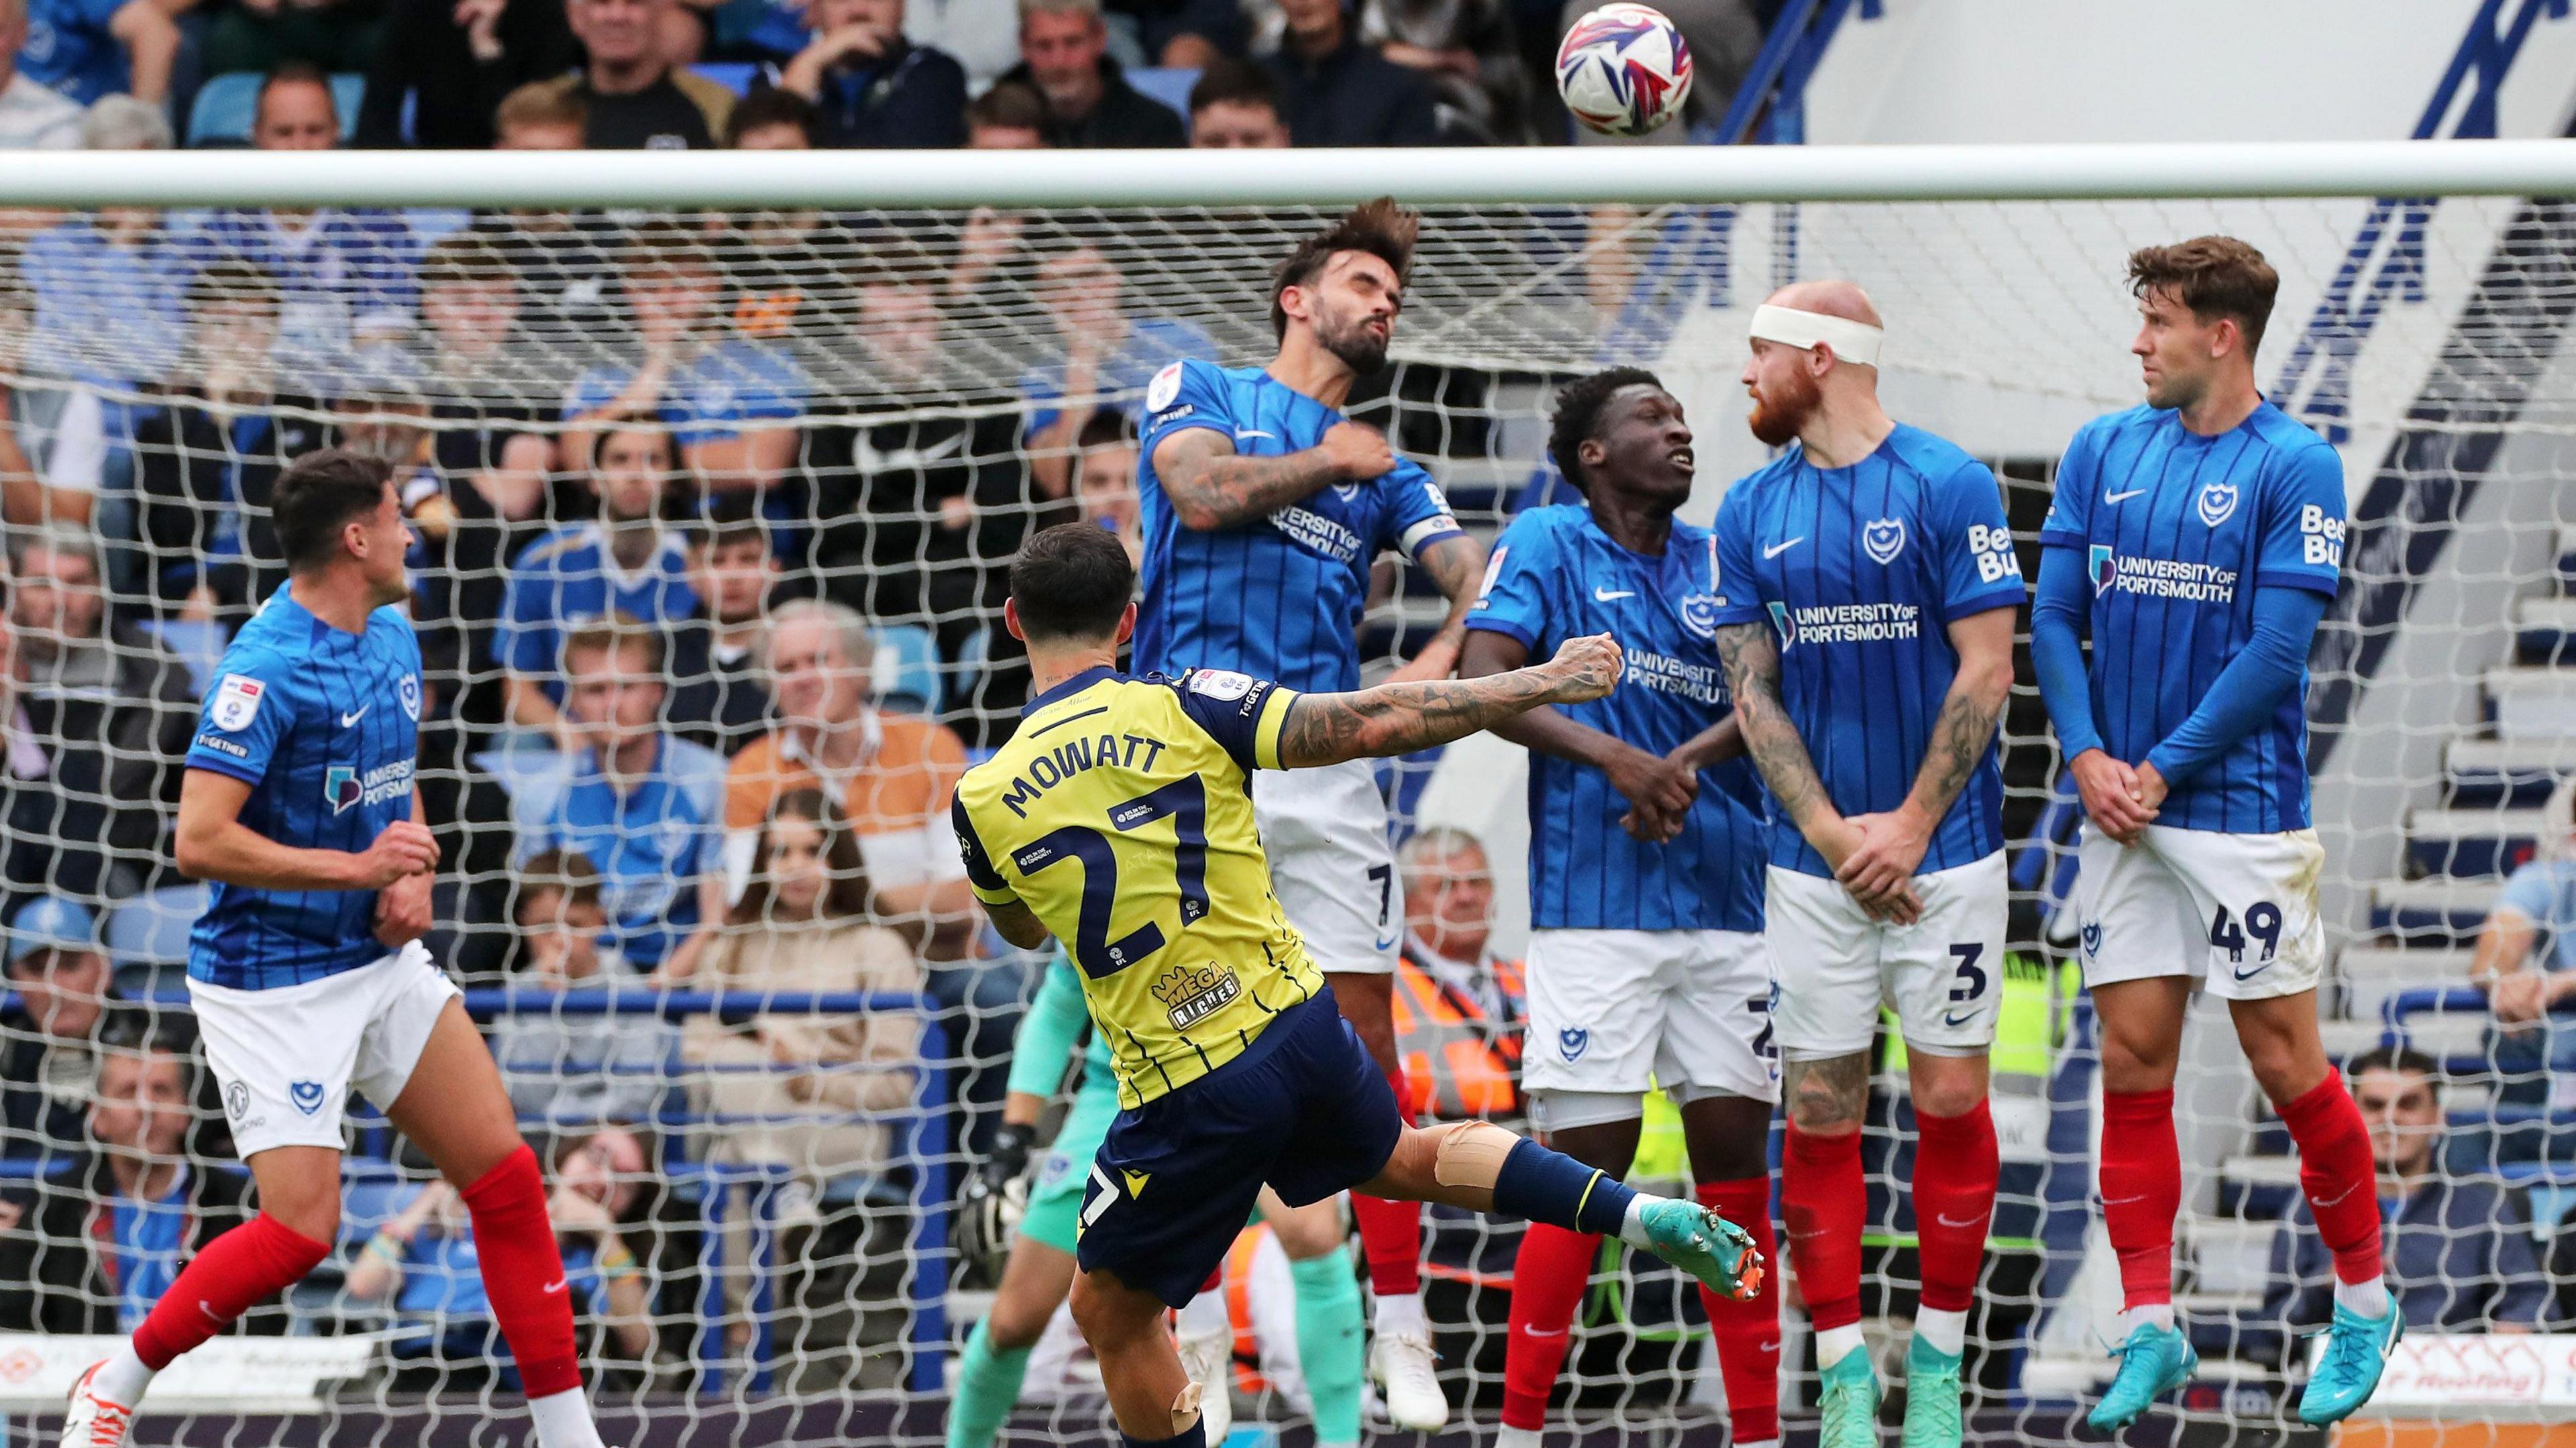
[(1263, 509), (1118, 818), (1646, 958), (2198, 539), (306, 972), (1040, 1268), (1866, 619)]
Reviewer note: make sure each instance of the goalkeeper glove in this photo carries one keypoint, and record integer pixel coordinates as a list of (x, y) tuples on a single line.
[(994, 1198)]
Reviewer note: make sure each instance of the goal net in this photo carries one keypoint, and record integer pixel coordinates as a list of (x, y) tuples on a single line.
[(716, 419)]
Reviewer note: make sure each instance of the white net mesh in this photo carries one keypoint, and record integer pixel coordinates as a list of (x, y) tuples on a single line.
[(704, 417)]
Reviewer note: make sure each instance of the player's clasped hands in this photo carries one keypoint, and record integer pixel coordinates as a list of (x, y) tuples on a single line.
[(405, 848), (1357, 451), (2115, 799), (1659, 790), (1586, 668)]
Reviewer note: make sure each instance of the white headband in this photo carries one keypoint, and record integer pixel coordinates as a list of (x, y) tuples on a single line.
[(1852, 341)]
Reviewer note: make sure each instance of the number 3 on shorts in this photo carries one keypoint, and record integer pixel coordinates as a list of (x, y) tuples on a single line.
[(1972, 978), (2262, 921)]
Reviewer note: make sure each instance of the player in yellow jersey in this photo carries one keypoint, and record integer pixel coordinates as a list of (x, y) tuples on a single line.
[(1119, 820)]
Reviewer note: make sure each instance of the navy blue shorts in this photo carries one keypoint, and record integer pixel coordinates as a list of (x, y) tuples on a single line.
[(1305, 1111)]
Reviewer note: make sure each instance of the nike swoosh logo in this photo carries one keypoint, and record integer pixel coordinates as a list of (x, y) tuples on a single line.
[(555, 1286), (1241, 433), (2330, 1201), (1952, 1018), (348, 719), (1529, 1331), (2123, 1201), (204, 1307), (1807, 1236), (1776, 549), (1965, 1222), (885, 460), (2122, 497), (1612, 595), (2258, 970)]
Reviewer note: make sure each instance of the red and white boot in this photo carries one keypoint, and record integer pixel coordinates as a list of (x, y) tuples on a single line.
[(91, 1421)]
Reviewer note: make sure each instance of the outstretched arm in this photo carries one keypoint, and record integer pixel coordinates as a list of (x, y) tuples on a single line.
[(1658, 790), (1210, 487), (1892, 844), (1394, 719)]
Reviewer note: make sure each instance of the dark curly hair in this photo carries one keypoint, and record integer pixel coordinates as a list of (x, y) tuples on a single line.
[(1578, 416), (1381, 228)]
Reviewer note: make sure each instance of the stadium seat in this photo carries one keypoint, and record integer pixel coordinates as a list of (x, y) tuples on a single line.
[(906, 669), (227, 104), (153, 929), (1169, 84), (733, 76), (198, 643)]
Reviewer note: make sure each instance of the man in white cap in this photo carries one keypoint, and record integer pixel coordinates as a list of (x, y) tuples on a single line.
[(1865, 616)]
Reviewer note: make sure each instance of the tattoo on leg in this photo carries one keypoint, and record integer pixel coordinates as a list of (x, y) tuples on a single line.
[(1826, 1097)]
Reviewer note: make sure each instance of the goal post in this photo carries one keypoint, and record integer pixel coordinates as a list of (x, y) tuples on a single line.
[(863, 377)]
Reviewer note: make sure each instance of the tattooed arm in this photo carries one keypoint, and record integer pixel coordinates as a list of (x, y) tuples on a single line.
[(1210, 487), (1394, 719), (1752, 662), (1659, 791), (1892, 844), (1457, 566)]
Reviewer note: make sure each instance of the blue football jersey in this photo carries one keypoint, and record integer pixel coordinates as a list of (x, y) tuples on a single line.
[(323, 726), (2178, 531), (651, 842), (567, 579), (1554, 576), (1280, 598), (1860, 571)]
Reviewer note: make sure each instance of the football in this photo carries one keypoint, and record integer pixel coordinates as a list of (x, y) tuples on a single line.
[(1623, 69)]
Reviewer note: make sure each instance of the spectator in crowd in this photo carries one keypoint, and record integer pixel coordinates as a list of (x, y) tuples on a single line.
[(1104, 482), (49, 1041), (1064, 49), (1337, 91), (635, 92), (875, 88), (122, 122), (982, 34), (574, 1071), (1009, 117), (771, 119), (2526, 963), (564, 260), (206, 459), (1108, 357), (1183, 34), (344, 275), (107, 712), (91, 1250), (1467, 52), (449, 62), (541, 116), (1235, 105), (645, 808), (626, 563), (33, 115), (893, 773), (2459, 1250), (423, 1262), (803, 927), (731, 405), (921, 509), (108, 322), (339, 36), (717, 698), (1459, 1010), (89, 48)]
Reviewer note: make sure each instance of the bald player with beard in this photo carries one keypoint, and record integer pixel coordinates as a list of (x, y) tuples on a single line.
[(1867, 587)]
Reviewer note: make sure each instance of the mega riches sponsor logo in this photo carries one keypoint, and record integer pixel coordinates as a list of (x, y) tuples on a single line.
[(1192, 993)]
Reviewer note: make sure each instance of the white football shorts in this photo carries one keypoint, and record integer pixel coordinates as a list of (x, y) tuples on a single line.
[(1330, 864), (287, 1057), (1612, 1012), (1942, 975), (2238, 913)]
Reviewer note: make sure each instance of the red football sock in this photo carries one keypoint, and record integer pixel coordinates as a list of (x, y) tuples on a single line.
[(523, 1273), (1391, 1232), (238, 1270), (2336, 1174), (1955, 1167), (1748, 1333), (1548, 1279), (1823, 1199), (2141, 1191)]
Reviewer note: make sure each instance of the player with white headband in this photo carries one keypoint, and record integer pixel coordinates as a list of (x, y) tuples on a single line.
[(1865, 616)]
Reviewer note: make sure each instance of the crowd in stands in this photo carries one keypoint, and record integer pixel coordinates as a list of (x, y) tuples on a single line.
[(701, 74)]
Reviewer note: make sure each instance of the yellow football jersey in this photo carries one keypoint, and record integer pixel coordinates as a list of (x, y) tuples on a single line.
[(1121, 815)]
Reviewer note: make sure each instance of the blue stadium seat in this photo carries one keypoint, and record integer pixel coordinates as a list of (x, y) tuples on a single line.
[(153, 929), (906, 669), (1169, 84), (198, 643), (735, 77), (227, 104), (513, 768)]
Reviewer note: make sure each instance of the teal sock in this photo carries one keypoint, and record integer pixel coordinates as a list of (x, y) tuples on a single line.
[(988, 1386), (1328, 1343)]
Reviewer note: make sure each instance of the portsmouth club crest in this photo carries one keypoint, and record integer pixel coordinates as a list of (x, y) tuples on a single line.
[(2101, 566), (2092, 938), (1699, 614), (1571, 1041), (2218, 503), (410, 692), (1884, 539)]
